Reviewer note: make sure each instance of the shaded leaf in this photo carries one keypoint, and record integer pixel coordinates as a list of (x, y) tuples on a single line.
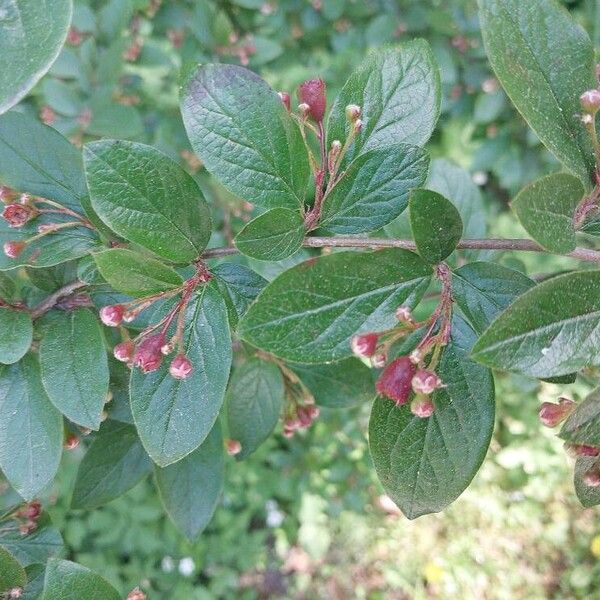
[(17, 333), (588, 496), (583, 425), (12, 574), (66, 580)]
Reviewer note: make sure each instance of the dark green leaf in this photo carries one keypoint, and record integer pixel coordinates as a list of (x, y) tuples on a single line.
[(436, 225), (240, 129), (66, 580), (190, 489), (399, 92), (75, 366), (553, 329), (310, 312), (583, 425), (30, 423), (374, 189), (17, 333), (483, 290), (254, 403), (546, 207), (588, 496), (114, 463), (29, 44), (536, 45), (147, 198), (274, 235), (174, 416), (134, 274), (35, 582), (12, 574), (425, 464)]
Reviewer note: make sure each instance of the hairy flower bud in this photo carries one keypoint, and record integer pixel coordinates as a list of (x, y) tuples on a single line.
[(425, 382), (590, 101), (404, 314), (422, 407), (13, 248), (233, 447), (591, 477), (112, 316), (552, 414), (71, 442), (312, 92), (148, 355), (287, 101), (180, 367), (136, 594), (378, 360), (364, 345), (395, 382), (124, 351), (577, 450), (353, 112), (18, 214)]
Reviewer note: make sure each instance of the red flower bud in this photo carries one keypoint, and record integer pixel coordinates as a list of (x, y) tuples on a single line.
[(287, 101), (552, 414), (312, 92), (18, 214), (71, 442), (148, 355), (13, 248), (591, 477), (233, 447), (425, 382), (577, 450), (364, 345), (422, 407), (181, 367), (136, 594), (112, 315), (124, 351), (590, 101), (395, 381), (30, 511)]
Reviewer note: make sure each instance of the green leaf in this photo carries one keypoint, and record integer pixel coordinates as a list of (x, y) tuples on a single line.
[(374, 189), (243, 134), (17, 333), (254, 403), (436, 225), (75, 366), (425, 464), (536, 45), (583, 425), (190, 489), (398, 90), (66, 580), (12, 574), (35, 582), (134, 274), (147, 198), (274, 235), (30, 423), (174, 416), (339, 385), (29, 43), (483, 290), (545, 209), (114, 463), (310, 312), (551, 330), (587, 495)]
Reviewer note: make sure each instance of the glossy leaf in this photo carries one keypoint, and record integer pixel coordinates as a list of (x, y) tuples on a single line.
[(483, 290), (190, 489), (17, 333), (174, 416), (134, 274), (254, 403), (12, 574), (245, 137), (29, 422), (75, 366), (66, 580), (551, 330), (588, 496), (374, 189), (273, 236), (536, 45), (583, 425), (147, 198), (310, 312), (436, 225), (546, 207), (425, 464), (29, 43), (114, 463)]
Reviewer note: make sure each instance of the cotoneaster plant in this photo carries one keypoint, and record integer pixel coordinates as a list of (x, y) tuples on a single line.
[(134, 340)]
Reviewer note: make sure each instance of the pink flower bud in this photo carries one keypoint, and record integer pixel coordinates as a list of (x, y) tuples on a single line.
[(71, 442), (358, 124), (590, 101), (13, 248), (416, 356), (422, 407), (233, 447), (304, 416), (395, 381), (287, 101), (591, 477), (378, 360), (148, 355), (18, 214), (124, 351), (312, 92), (577, 450), (353, 112), (364, 345), (404, 314), (313, 411), (552, 414), (15, 593), (425, 382), (181, 367), (30, 511), (287, 432), (112, 316), (136, 594), (168, 348)]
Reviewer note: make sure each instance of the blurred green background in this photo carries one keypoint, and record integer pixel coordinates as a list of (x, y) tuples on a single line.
[(305, 518)]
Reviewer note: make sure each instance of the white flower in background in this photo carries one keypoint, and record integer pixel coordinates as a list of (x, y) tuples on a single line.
[(187, 566)]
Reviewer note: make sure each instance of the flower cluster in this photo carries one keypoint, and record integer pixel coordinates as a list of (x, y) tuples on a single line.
[(155, 342), (27, 516)]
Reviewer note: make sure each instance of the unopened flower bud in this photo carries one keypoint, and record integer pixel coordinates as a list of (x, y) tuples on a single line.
[(577, 450), (395, 380), (364, 345), (303, 110), (15, 593), (552, 414), (136, 594), (314, 411), (304, 416), (285, 98), (422, 407), (168, 348), (233, 447), (425, 382), (404, 314), (378, 360), (112, 316), (312, 93), (288, 433), (416, 356), (6, 194), (180, 367), (18, 214), (148, 355), (357, 126), (590, 101), (13, 248), (291, 423), (30, 511), (334, 152), (124, 351), (591, 477), (353, 112), (130, 315), (71, 442)]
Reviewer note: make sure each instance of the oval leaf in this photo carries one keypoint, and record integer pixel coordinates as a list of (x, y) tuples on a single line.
[(583, 425), (67, 580), (588, 496), (17, 333), (12, 574)]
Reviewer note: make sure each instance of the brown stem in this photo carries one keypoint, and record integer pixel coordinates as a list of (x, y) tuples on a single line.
[(45, 305)]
